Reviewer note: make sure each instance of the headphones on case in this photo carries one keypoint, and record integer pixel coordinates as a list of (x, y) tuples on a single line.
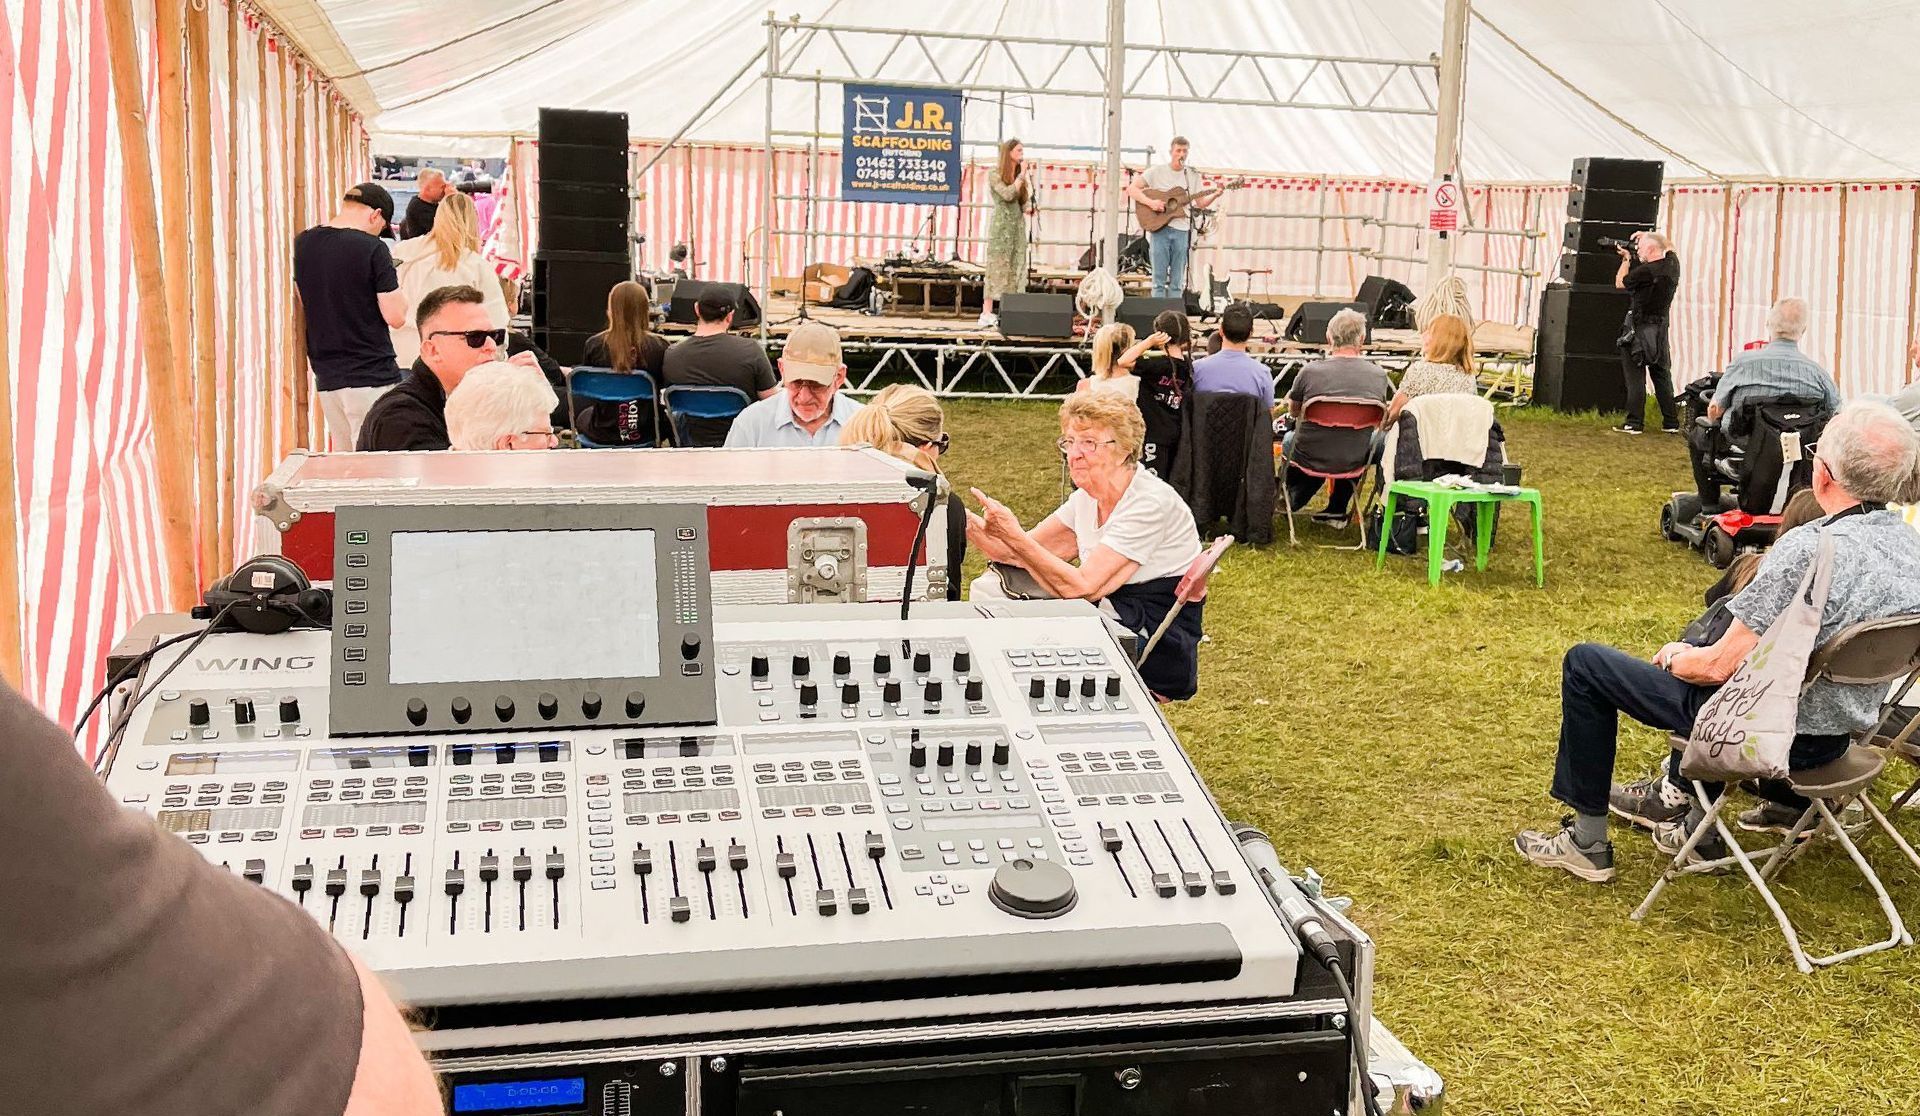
[(265, 595)]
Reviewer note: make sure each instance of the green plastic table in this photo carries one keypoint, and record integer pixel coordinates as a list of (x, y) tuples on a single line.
[(1440, 501)]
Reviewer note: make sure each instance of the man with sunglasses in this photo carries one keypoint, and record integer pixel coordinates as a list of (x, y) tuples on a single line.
[(456, 335), (810, 409)]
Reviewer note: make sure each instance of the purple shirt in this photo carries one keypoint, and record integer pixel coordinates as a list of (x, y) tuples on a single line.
[(1234, 370)]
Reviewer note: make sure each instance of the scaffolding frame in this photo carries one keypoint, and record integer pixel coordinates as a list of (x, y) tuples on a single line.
[(1344, 83)]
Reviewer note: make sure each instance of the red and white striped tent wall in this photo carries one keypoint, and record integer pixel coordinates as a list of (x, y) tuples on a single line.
[(90, 551)]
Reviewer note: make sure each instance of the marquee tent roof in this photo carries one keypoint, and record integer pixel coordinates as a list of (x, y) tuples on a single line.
[(1761, 89)]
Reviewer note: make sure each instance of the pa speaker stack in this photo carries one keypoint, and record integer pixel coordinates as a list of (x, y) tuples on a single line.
[(584, 211), (1576, 360)]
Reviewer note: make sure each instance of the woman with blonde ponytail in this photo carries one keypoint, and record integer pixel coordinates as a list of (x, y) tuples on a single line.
[(905, 420), (1112, 362), (448, 256)]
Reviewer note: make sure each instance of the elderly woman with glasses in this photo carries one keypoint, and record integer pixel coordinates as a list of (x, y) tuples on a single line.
[(1131, 534), (502, 406)]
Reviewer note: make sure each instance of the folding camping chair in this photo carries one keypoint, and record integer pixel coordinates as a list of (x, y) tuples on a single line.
[(713, 402), (1340, 413), (1192, 587), (603, 385), (1875, 652)]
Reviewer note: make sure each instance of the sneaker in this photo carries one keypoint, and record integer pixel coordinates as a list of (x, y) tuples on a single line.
[(1559, 850), (1670, 837), (987, 321), (1337, 521), (1669, 430), (1648, 802), (1628, 430), (1771, 817)]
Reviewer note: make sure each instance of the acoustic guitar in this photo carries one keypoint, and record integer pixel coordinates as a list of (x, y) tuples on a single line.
[(1177, 200)]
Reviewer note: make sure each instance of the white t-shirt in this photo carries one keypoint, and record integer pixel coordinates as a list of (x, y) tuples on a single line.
[(1162, 176), (1125, 386), (1151, 525)]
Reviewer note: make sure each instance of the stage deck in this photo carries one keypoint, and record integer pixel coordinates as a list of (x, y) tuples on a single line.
[(1491, 339)]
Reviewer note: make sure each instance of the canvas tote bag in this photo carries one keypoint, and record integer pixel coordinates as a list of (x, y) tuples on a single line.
[(1746, 729)]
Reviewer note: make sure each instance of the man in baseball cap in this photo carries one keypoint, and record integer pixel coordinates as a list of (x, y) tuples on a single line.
[(350, 297), (810, 409)]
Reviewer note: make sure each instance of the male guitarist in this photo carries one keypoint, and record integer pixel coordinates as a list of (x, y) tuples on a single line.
[(1169, 245)]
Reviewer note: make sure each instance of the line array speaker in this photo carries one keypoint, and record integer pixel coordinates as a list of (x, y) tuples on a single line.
[(1576, 356), (1594, 172), (1614, 205), (583, 225)]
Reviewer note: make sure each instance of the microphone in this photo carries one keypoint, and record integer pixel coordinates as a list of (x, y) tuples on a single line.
[(1301, 916)]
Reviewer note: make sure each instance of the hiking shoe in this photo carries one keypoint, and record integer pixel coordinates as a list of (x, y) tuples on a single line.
[(1593, 864), (1670, 837), (1628, 430), (1772, 817), (1648, 802)]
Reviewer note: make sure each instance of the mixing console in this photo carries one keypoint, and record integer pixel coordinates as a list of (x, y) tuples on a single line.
[(889, 819)]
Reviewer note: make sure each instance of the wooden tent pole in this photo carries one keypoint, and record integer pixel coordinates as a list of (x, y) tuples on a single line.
[(176, 254), (166, 386), (296, 332), (1723, 325), (1779, 226), (10, 633), (1840, 296), (1913, 286), (270, 291), (230, 468), (293, 343), (206, 306)]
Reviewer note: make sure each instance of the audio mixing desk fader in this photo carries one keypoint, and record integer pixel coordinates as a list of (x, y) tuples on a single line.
[(766, 828)]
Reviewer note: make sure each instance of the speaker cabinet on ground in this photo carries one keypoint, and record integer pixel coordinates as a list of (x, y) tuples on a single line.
[(586, 127), (570, 288), (1614, 205), (1309, 323), (686, 292), (1037, 315), (1139, 312), (1644, 176), (1576, 354)]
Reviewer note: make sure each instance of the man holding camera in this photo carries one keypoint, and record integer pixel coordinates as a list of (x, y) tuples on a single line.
[(1651, 282)]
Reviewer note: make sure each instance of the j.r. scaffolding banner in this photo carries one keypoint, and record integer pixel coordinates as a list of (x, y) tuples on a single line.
[(901, 145)]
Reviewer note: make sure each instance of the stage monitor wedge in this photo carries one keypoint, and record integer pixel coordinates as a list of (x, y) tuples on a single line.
[(1139, 311), (1037, 315), (1309, 323), (1388, 302), (686, 292)]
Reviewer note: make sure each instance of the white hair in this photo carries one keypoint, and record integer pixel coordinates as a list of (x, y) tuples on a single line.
[(1873, 453), (1787, 319), (428, 173), (1658, 238), (494, 399), (1347, 330)]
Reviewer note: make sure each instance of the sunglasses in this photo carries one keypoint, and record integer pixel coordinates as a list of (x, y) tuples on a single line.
[(476, 338), (941, 443)]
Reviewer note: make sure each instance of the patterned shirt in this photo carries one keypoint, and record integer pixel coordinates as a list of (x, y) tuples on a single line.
[(1778, 369), (1876, 573), (1424, 377)]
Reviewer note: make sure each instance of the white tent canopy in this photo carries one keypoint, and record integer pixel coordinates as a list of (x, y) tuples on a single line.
[(1763, 89)]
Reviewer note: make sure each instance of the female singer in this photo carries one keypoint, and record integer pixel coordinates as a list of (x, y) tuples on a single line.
[(1012, 185)]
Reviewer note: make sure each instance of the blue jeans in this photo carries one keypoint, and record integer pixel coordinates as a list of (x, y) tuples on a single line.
[(1597, 684), (1167, 260)]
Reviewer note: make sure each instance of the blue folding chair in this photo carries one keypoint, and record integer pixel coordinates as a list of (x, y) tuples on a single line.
[(603, 385), (710, 402)]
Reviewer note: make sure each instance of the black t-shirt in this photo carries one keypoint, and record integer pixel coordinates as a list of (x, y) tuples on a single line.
[(719, 359), (1164, 384), (419, 218), (412, 416), (341, 273), (137, 977), (1652, 286), (612, 424)]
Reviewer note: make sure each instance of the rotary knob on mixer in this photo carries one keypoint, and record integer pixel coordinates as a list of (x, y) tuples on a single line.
[(842, 664), (973, 753), (933, 691), (1033, 888), (922, 662), (890, 691), (1062, 687), (850, 693), (1037, 688), (946, 753), (289, 710), (882, 662), (242, 711), (759, 667), (197, 712), (962, 662), (975, 689), (802, 665)]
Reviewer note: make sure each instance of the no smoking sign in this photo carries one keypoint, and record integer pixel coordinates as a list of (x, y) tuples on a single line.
[(1443, 206)]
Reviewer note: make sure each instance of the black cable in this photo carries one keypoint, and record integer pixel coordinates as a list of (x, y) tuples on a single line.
[(111, 744), (931, 485), (125, 672), (1358, 1044)]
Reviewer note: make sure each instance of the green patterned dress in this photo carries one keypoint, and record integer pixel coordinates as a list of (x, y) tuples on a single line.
[(1006, 239)]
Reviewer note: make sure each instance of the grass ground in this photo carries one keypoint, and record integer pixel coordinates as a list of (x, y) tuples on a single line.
[(1395, 737)]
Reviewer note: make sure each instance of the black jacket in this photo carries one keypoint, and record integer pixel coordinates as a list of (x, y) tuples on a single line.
[(413, 416), (418, 220), (1224, 465)]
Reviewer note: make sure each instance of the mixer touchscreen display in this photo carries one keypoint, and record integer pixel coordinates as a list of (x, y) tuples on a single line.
[(520, 603)]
